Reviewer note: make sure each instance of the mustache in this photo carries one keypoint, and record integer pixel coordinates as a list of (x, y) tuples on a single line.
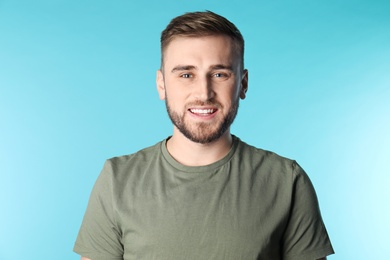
[(201, 103)]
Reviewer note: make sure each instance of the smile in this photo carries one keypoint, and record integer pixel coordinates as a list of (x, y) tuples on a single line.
[(200, 111)]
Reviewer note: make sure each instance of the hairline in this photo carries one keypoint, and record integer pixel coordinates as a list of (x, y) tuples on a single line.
[(236, 48)]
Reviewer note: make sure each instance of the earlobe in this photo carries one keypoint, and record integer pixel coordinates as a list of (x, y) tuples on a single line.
[(160, 84), (244, 84)]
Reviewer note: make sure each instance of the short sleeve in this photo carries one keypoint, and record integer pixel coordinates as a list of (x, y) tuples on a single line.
[(99, 237), (305, 237)]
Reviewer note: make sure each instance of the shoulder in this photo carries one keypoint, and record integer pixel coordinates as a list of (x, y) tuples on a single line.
[(123, 167), (269, 166), (255, 156), (139, 156)]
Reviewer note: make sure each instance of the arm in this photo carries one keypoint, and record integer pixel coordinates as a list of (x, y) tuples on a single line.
[(99, 236), (305, 234)]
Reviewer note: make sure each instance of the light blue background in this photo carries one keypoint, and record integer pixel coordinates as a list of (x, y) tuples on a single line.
[(77, 86)]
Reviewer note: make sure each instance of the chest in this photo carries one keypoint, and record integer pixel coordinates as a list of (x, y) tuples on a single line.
[(206, 220)]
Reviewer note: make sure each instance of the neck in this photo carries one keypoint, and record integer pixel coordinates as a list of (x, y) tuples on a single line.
[(190, 153)]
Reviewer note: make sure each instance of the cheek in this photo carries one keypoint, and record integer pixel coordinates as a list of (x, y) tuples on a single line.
[(176, 95), (175, 99), (229, 96)]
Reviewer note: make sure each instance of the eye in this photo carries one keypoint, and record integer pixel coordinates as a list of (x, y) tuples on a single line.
[(220, 75), (186, 75)]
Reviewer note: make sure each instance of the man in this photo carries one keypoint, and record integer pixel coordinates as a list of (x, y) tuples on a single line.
[(202, 193)]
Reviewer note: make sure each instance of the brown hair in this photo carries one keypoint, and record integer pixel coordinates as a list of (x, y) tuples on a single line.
[(199, 24)]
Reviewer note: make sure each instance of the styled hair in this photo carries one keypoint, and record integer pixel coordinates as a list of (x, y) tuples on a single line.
[(200, 24)]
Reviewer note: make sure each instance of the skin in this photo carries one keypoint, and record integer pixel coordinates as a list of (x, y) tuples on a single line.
[(191, 80), (201, 73)]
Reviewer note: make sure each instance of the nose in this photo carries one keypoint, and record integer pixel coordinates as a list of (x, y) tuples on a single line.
[(204, 89)]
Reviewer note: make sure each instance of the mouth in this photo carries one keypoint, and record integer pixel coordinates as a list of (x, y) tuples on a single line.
[(203, 111)]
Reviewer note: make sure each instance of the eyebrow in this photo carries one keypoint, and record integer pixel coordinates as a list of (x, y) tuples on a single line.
[(182, 68), (221, 67), (191, 67)]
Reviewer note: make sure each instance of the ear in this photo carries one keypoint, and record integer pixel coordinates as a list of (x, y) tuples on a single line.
[(244, 84), (160, 84)]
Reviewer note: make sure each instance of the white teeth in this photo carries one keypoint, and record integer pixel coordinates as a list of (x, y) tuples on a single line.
[(202, 111)]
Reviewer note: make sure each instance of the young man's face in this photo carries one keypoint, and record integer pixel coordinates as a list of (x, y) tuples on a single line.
[(202, 82)]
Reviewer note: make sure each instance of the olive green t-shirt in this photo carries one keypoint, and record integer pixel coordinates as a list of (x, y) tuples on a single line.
[(252, 204)]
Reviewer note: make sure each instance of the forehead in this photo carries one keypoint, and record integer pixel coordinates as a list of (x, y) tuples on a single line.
[(206, 49)]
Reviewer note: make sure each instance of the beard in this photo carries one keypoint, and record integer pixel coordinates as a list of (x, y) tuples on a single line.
[(202, 132)]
